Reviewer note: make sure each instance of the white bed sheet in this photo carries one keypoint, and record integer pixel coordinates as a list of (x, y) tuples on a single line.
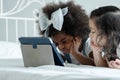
[(12, 68), (51, 72)]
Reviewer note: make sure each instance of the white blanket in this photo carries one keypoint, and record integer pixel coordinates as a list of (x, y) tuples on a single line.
[(11, 68), (51, 72)]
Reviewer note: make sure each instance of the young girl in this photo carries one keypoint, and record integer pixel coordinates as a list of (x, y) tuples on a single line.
[(108, 28), (95, 14), (67, 25)]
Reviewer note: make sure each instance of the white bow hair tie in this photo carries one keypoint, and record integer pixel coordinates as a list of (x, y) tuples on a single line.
[(57, 19)]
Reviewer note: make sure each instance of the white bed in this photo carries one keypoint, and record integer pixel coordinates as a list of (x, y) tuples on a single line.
[(17, 21), (12, 68), (50, 72)]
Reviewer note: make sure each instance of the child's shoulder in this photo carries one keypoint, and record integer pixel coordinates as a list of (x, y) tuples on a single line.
[(87, 47)]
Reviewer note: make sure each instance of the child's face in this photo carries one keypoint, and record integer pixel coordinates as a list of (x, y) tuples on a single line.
[(63, 42), (95, 39)]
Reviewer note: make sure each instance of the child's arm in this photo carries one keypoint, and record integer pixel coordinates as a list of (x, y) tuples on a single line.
[(78, 55), (83, 59), (98, 59)]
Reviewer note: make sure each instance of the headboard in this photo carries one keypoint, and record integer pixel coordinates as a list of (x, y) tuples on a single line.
[(17, 18), (12, 28)]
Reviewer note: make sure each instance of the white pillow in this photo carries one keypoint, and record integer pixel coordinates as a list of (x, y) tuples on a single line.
[(10, 50)]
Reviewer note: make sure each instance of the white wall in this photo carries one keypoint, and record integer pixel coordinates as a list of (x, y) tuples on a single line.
[(18, 16), (89, 5)]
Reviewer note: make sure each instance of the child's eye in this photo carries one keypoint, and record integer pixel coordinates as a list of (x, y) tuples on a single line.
[(63, 42), (92, 31)]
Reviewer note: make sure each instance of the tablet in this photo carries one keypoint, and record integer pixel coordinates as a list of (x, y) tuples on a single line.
[(37, 51)]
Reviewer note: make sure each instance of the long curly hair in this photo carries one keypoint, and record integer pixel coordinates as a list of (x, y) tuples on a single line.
[(109, 25), (75, 21)]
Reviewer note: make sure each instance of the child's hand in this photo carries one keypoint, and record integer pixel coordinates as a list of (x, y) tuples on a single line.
[(114, 64), (99, 60), (75, 45), (95, 48)]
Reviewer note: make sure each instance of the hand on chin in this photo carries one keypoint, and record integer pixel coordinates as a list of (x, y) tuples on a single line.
[(95, 47)]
